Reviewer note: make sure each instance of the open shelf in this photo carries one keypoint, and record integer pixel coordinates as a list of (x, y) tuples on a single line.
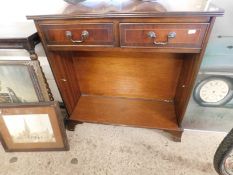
[(126, 111)]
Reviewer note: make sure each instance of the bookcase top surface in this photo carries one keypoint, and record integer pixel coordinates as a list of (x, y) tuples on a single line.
[(127, 8)]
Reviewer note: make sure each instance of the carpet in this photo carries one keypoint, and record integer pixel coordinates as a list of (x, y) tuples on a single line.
[(116, 150)]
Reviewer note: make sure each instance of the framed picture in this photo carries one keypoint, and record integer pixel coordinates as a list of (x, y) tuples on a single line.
[(22, 81), (32, 127)]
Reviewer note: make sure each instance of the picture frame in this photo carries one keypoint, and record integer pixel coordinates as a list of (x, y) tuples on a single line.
[(22, 82), (32, 127)]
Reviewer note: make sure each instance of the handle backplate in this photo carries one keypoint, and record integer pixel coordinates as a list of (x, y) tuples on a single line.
[(153, 35), (84, 36)]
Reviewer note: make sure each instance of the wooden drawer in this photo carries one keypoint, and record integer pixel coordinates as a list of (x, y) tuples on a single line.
[(166, 35), (81, 34)]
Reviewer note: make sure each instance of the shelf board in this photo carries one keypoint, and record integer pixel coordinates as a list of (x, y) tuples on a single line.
[(125, 111)]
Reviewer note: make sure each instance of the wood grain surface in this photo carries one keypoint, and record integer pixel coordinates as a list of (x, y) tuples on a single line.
[(119, 76), (122, 111), (140, 75), (187, 35)]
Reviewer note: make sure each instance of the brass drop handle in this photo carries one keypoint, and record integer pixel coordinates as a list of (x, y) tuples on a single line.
[(84, 36), (153, 35)]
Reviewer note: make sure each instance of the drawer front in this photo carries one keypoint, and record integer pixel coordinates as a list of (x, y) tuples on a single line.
[(162, 35), (81, 34)]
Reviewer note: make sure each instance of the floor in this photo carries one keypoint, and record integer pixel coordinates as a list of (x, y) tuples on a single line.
[(208, 118), (115, 150)]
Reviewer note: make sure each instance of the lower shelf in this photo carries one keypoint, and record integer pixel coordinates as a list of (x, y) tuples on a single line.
[(123, 111)]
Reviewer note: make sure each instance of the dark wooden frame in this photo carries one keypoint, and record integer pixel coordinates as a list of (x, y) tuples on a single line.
[(27, 43), (60, 128), (37, 77)]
